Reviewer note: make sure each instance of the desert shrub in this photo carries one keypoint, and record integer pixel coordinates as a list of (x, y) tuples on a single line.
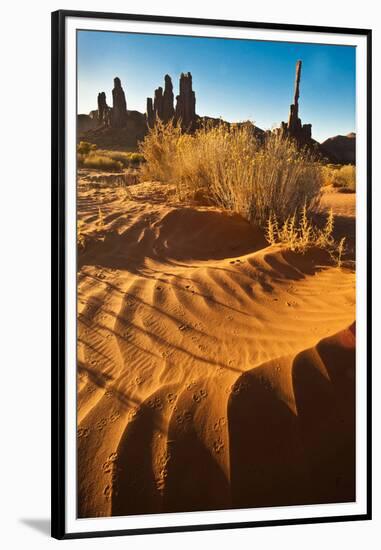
[(328, 172), (160, 150), (136, 158), (84, 147), (126, 158), (298, 233), (234, 168), (345, 178), (99, 162)]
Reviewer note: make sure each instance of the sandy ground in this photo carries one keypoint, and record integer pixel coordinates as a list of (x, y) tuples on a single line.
[(214, 371)]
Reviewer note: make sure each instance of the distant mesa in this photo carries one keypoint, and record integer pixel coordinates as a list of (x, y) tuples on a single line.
[(340, 149), (116, 126)]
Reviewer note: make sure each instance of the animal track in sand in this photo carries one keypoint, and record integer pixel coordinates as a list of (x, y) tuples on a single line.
[(155, 403), (108, 466), (200, 395), (133, 413), (171, 398), (83, 432), (221, 422), (218, 445), (184, 417), (101, 424), (107, 491), (237, 388), (114, 416)]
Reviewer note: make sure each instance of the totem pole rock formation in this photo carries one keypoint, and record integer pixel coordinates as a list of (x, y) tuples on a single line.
[(294, 128), (119, 105), (186, 103), (168, 108), (150, 115), (104, 111), (162, 105), (158, 103)]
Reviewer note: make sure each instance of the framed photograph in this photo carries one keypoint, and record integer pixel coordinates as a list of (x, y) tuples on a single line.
[(211, 191)]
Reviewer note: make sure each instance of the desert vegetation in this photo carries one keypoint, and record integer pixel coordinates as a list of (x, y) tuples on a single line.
[(216, 334), (341, 177), (234, 169), (299, 233), (88, 156)]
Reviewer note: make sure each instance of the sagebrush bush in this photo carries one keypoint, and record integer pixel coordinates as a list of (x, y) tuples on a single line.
[(89, 156), (238, 171), (160, 150), (99, 162), (345, 178), (84, 147), (328, 173), (126, 158)]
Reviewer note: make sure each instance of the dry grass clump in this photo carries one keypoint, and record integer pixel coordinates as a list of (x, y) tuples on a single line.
[(231, 166), (126, 158), (85, 147), (298, 233), (110, 161), (160, 150), (99, 162), (345, 178), (328, 174), (342, 177)]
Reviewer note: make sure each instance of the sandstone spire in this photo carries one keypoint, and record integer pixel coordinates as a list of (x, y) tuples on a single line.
[(150, 115), (186, 103), (168, 108), (119, 105), (158, 103), (294, 127), (103, 109)]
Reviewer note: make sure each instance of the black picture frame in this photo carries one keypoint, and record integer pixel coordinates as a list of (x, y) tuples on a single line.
[(58, 529)]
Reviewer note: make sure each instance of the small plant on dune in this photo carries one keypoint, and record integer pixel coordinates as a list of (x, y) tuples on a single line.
[(272, 229), (298, 233), (339, 252), (324, 237)]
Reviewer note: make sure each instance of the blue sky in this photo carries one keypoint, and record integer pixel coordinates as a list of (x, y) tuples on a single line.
[(235, 79)]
